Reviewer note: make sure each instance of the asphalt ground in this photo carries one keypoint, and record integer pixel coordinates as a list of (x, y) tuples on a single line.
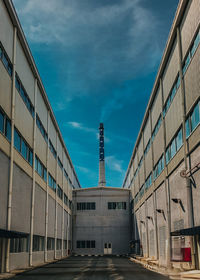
[(88, 268)]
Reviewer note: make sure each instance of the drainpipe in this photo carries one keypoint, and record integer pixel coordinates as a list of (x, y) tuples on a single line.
[(63, 212), (56, 203), (11, 149), (33, 186)]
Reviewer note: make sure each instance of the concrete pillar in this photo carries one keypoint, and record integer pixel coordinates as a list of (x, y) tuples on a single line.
[(10, 187), (33, 185)]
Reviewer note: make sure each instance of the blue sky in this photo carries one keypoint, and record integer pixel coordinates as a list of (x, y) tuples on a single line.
[(98, 61)]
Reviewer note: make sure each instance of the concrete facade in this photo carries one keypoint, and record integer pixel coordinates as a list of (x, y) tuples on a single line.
[(102, 225), (37, 175), (163, 174)]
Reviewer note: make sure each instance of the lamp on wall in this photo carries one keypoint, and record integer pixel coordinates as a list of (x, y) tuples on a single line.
[(150, 218), (179, 201), (161, 211)]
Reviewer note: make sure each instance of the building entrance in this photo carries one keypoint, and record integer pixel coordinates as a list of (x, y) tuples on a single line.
[(108, 248)]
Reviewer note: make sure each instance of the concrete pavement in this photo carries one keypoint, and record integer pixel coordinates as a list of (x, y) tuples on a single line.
[(88, 268)]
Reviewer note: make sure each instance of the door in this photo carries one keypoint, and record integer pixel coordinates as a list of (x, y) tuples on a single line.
[(108, 248)]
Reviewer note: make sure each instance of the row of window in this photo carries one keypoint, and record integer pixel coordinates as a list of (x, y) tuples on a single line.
[(191, 52), (190, 123), (18, 245), (5, 59), (85, 244), (193, 120), (86, 205), (174, 146), (171, 96), (19, 86), (5, 125), (41, 128), (22, 147), (40, 168), (116, 205)]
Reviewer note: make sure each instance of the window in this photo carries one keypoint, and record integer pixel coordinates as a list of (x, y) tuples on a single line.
[(19, 86), (52, 149), (193, 120), (58, 244), (65, 173), (38, 243), (85, 244), (22, 147), (86, 205), (156, 128), (18, 245), (141, 193), (186, 63), (148, 182), (40, 168), (171, 95), (52, 183), (158, 167), (174, 146), (147, 148), (65, 199), (116, 205), (1, 122), (59, 192), (8, 129), (50, 243), (41, 128), (5, 59), (60, 163), (195, 44)]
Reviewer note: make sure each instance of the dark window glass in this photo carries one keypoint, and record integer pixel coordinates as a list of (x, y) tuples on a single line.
[(195, 118), (93, 206), (188, 127), (82, 244), (24, 149), (78, 244), (173, 148), (10, 69), (179, 139), (88, 244), (5, 60), (1, 52), (93, 244), (17, 141), (45, 175), (17, 83), (109, 205), (8, 129), (1, 122), (30, 157), (39, 168)]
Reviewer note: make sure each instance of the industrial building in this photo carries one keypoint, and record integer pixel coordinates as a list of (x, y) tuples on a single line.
[(101, 215), (155, 213), (36, 172), (164, 170)]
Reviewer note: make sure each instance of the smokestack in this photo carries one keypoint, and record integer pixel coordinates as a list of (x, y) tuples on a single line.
[(102, 178)]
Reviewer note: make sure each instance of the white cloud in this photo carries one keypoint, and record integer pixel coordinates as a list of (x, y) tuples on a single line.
[(114, 164)]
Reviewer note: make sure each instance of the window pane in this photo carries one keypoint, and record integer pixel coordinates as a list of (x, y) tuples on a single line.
[(195, 117), (1, 122), (173, 148), (24, 149), (30, 157), (88, 244), (17, 83), (8, 129), (39, 168), (187, 127), (45, 174), (5, 61), (179, 139)]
